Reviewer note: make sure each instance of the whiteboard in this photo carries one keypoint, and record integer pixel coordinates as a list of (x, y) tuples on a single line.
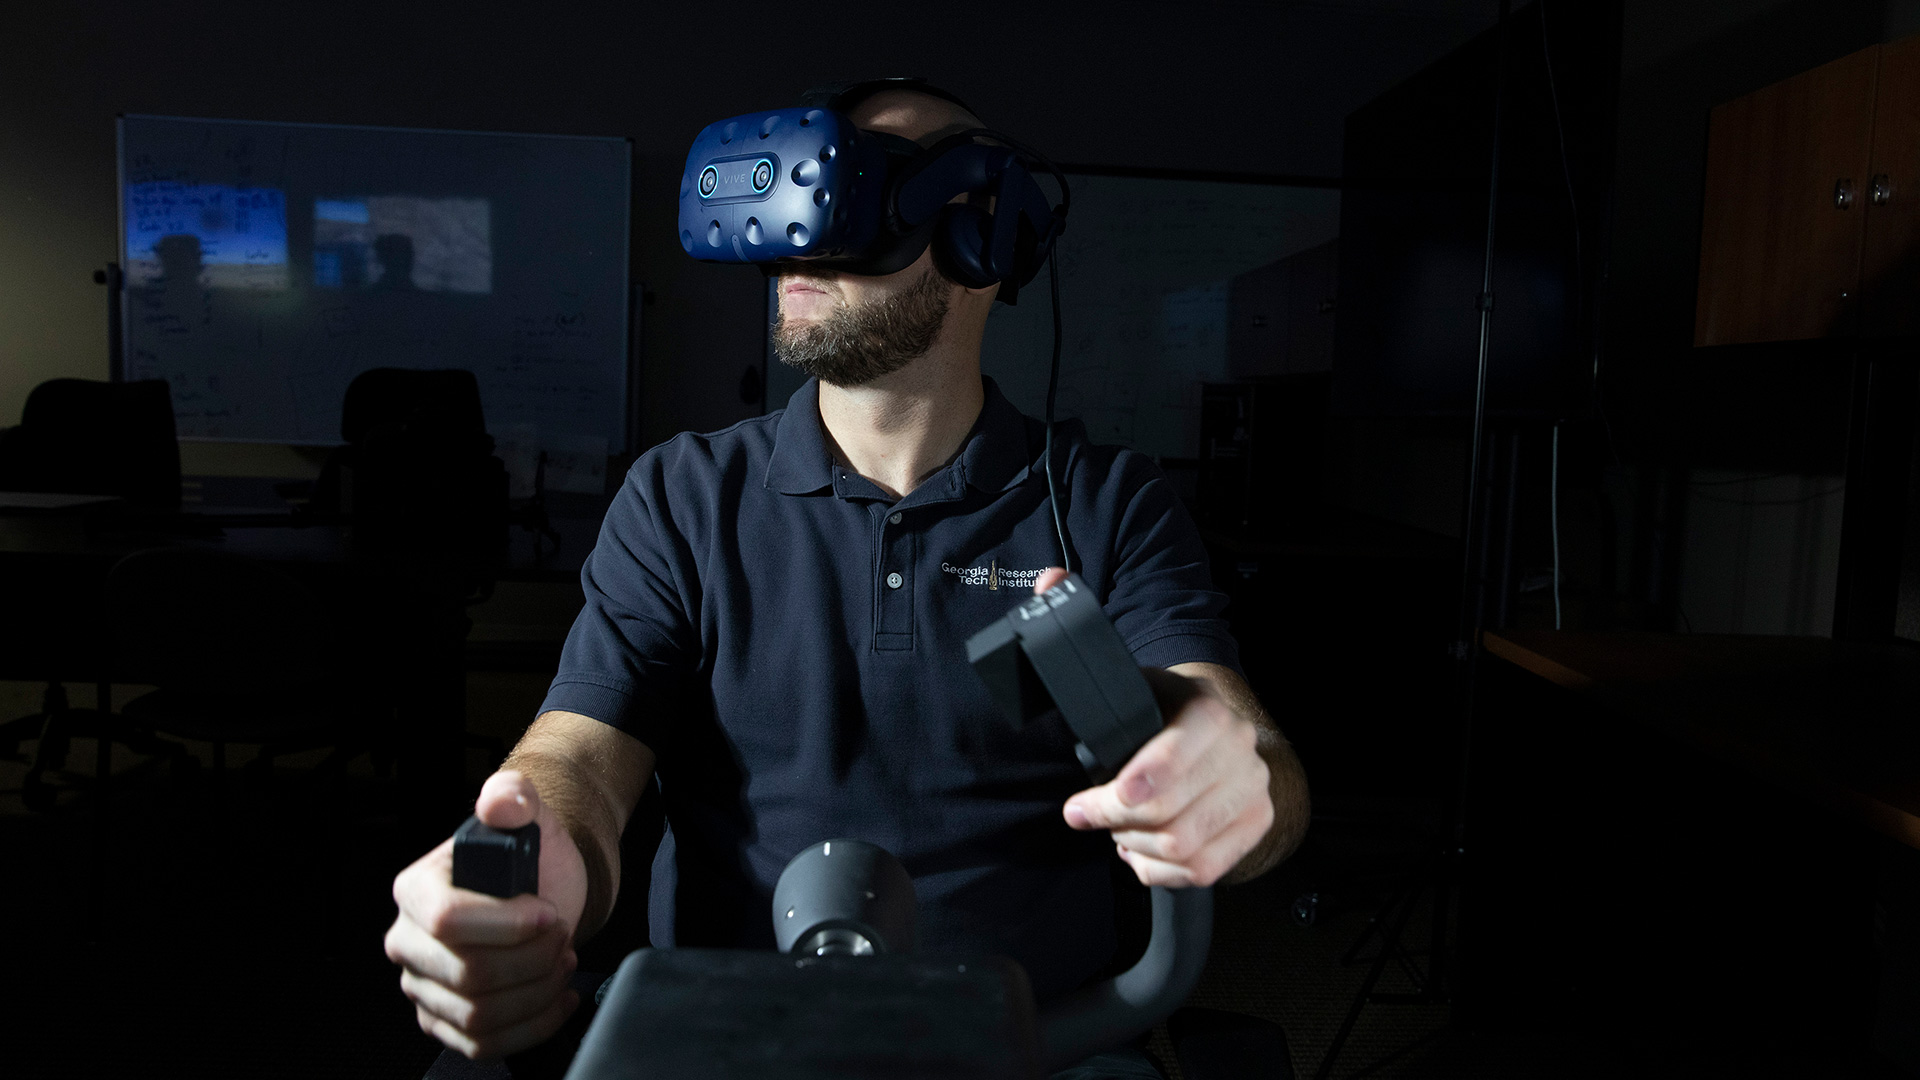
[(268, 264), (1144, 269)]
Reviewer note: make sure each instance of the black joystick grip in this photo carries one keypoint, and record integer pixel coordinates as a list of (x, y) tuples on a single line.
[(1057, 650), (498, 862)]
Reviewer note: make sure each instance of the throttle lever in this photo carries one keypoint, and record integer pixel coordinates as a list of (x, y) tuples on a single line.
[(497, 862)]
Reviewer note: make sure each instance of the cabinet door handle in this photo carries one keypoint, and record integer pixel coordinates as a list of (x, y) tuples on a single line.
[(1843, 194), (1880, 192)]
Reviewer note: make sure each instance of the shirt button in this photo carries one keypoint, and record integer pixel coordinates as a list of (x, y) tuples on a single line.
[(894, 580), (895, 518)]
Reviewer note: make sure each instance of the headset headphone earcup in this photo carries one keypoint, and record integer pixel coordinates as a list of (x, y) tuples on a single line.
[(960, 244)]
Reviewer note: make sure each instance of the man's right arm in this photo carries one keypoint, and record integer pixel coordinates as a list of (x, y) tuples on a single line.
[(488, 976), (591, 775)]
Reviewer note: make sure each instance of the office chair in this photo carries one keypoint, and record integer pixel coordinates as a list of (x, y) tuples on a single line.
[(417, 478), (96, 438), (77, 436), (424, 500)]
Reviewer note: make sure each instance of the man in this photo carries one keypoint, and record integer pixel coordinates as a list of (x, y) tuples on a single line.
[(776, 617)]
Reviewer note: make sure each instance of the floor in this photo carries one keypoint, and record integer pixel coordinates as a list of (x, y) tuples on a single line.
[(215, 926)]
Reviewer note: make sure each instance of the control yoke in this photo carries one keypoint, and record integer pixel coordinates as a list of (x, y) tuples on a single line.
[(845, 995)]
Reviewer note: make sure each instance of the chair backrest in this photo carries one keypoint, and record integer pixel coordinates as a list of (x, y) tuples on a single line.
[(445, 401), (418, 476), (96, 438), (214, 624)]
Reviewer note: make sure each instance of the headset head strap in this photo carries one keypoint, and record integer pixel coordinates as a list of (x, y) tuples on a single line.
[(843, 97)]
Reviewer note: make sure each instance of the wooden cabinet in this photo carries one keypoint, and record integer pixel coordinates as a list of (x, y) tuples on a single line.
[(1810, 225), (1810, 228)]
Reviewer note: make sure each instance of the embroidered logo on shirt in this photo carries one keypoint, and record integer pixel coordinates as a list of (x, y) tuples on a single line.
[(993, 575)]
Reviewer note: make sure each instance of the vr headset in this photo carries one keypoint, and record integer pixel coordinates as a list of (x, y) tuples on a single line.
[(805, 184)]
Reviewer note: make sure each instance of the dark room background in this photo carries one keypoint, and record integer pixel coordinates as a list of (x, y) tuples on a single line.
[(1701, 490), (1227, 86)]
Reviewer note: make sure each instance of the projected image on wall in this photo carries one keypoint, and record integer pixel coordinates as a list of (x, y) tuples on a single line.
[(183, 235), (401, 243)]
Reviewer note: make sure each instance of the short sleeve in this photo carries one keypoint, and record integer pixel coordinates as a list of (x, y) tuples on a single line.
[(1160, 593), (633, 644)]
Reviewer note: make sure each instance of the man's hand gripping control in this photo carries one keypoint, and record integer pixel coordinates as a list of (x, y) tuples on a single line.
[(1191, 803), (488, 976)]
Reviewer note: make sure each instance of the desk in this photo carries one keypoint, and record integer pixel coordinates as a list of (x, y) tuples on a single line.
[(54, 502), (53, 568), (1835, 722), (403, 637), (1657, 786)]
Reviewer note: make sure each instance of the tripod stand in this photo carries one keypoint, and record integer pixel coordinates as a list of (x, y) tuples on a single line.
[(1486, 559), (1389, 925)]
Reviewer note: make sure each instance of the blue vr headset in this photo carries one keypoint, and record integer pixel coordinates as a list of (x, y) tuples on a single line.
[(806, 184)]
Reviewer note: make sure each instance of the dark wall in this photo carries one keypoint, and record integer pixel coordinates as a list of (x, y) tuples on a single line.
[(1413, 228), (1671, 414), (1230, 86)]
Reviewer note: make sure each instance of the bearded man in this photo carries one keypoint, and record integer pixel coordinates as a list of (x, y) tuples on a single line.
[(775, 625)]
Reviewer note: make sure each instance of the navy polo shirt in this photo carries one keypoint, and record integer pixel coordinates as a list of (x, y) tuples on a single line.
[(791, 644)]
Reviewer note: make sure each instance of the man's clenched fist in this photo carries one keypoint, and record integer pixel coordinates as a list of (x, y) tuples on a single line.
[(1199, 797), (488, 976)]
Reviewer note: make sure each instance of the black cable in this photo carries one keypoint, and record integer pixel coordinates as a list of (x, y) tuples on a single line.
[(1053, 272), (926, 158), (1053, 386)]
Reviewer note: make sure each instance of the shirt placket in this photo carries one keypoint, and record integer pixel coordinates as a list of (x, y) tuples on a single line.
[(893, 629)]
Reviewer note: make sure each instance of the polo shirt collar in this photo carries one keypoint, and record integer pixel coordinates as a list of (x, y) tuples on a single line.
[(995, 456), (800, 464)]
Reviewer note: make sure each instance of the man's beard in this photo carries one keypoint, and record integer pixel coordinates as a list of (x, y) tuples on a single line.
[(853, 346)]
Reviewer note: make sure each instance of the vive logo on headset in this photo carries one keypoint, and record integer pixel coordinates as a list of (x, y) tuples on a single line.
[(749, 177)]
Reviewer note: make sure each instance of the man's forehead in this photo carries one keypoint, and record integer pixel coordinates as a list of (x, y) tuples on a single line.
[(912, 114)]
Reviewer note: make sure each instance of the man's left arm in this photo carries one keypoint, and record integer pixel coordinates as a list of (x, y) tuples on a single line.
[(1219, 795)]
